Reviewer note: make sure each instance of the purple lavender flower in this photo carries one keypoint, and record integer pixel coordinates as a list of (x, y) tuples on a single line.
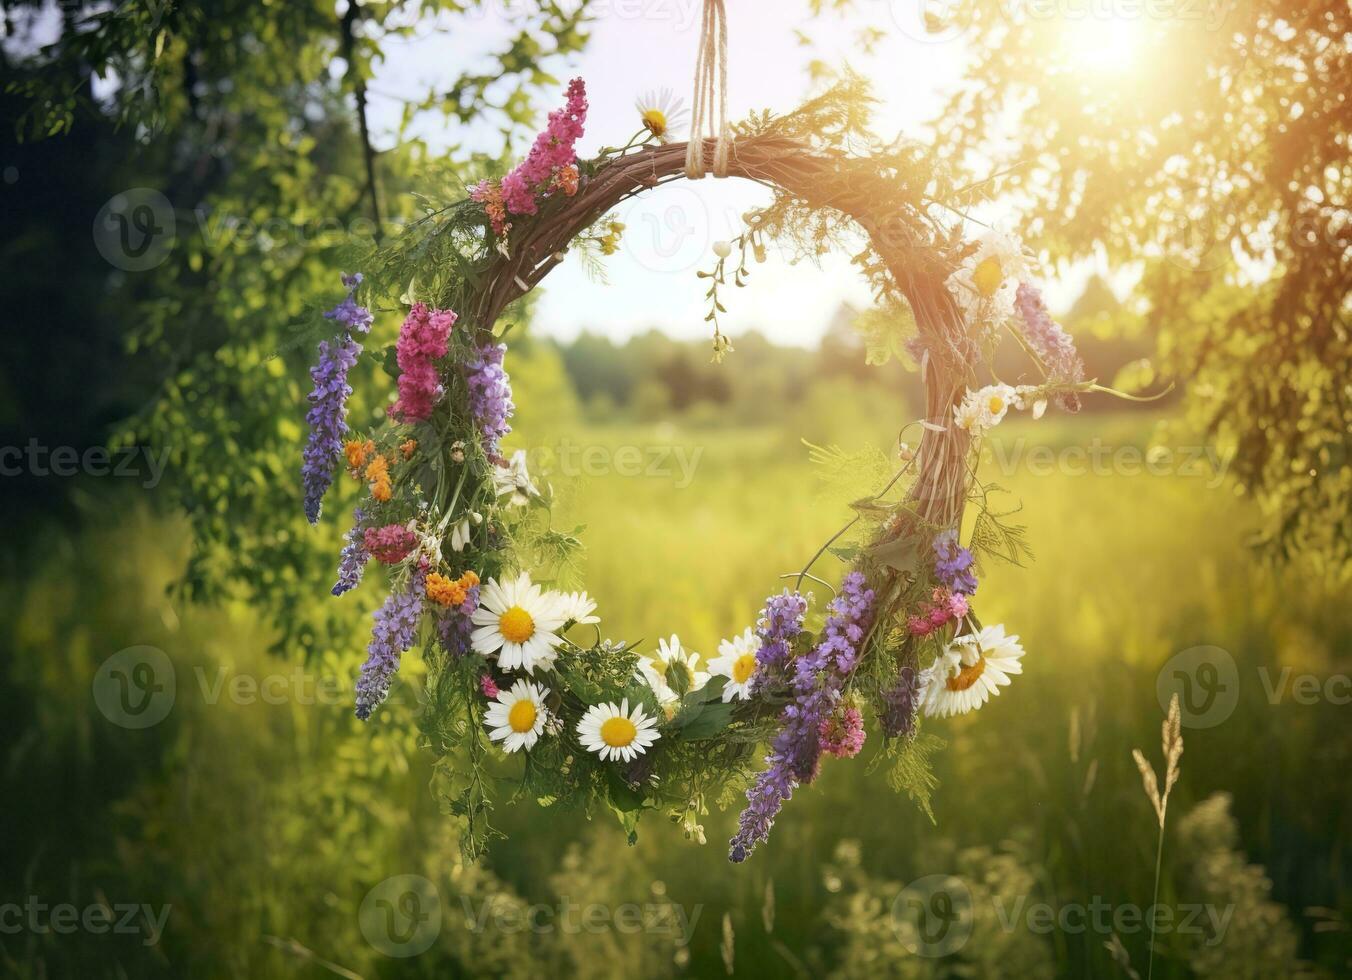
[(900, 703), (327, 416), (454, 626), (490, 395), (1052, 344), (352, 559), (953, 563), (396, 626), (327, 419), (780, 621), (355, 318), (819, 677)]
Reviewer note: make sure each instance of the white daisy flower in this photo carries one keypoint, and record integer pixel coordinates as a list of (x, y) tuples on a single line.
[(986, 407), (662, 114), (996, 401), (519, 622), (518, 716), (666, 696), (988, 280), (514, 480), (614, 732), (680, 667), (736, 661), (967, 415), (970, 672), (577, 607)]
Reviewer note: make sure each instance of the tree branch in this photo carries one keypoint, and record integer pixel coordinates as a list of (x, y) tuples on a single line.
[(347, 25)]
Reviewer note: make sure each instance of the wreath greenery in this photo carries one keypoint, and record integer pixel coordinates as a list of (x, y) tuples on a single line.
[(522, 690)]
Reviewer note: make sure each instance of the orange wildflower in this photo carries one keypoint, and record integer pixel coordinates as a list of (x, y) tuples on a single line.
[(378, 473), (357, 452), (443, 591)]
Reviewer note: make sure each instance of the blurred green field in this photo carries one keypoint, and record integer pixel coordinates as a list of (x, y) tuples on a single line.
[(264, 825)]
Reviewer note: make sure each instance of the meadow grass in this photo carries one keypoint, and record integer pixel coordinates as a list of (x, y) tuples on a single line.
[(272, 820)]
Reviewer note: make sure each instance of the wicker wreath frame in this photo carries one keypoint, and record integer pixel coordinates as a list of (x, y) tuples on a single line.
[(856, 186), (912, 261)]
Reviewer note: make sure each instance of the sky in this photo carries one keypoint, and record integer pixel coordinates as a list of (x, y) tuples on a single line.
[(639, 46)]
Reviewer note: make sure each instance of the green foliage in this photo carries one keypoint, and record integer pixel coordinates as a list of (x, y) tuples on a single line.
[(911, 769), (1218, 165), (274, 820), (229, 319), (1257, 938), (880, 941)]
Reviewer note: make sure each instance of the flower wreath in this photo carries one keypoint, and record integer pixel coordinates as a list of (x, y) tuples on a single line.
[(511, 678)]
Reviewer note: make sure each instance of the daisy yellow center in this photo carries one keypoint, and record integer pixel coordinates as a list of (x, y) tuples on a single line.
[(987, 277), (968, 676), (521, 717), (655, 120), (516, 625), (618, 732), (743, 667), (996, 404)]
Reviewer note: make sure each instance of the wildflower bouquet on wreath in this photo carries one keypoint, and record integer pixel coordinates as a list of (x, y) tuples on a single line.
[(519, 677)]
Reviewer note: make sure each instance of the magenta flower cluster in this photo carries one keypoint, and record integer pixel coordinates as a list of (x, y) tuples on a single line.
[(943, 608), (550, 165), (1053, 345), (842, 734), (490, 395), (327, 417), (424, 339), (818, 680), (395, 629), (554, 149), (390, 544)]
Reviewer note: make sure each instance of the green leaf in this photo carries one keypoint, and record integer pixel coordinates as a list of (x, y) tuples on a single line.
[(913, 774), (623, 797), (899, 553), (701, 721)]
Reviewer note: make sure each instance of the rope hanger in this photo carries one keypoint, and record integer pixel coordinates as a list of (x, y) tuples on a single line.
[(711, 79)]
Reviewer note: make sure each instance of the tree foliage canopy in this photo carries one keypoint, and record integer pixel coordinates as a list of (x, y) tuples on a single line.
[(1216, 163)]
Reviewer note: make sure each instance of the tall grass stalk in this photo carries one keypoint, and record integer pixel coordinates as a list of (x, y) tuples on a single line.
[(1171, 744)]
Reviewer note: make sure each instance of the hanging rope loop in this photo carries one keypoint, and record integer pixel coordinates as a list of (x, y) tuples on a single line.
[(711, 82)]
